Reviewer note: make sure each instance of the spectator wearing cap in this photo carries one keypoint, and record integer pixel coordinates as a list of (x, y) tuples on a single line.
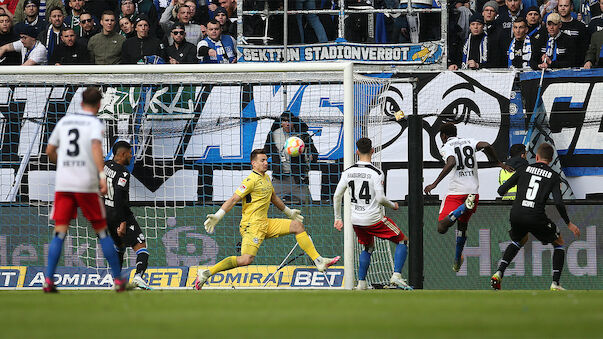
[(31, 16), (142, 45), (105, 47), (70, 51), (520, 48), (475, 50), (8, 35), (493, 28), (575, 29), (194, 32), (596, 21), (51, 35), (42, 6), (126, 27), (290, 174), (217, 48), (555, 49), (221, 16), (181, 51), (534, 21), (32, 51)]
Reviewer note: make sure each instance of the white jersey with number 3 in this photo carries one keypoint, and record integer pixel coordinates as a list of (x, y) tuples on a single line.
[(365, 182), (73, 135), (464, 179)]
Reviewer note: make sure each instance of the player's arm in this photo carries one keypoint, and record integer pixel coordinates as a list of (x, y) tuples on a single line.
[(337, 198), (51, 151), (558, 199), (213, 219), (121, 202), (380, 194), (450, 163), (293, 214), (97, 156), (7, 48), (491, 154)]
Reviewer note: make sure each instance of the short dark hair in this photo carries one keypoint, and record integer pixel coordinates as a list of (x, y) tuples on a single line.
[(255, 153), (4, 14), (65, 29), (121, 144), (54, 8), (545, 151), (521, 19), (364, 145), (108, 12), (214, 22), (92, 96), (517, 150), (449, 129)]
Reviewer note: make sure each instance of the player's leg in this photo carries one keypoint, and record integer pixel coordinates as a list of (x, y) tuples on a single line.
[(135, 238), (94, 210), (519, 236), (303, 239), (253, 237), (558, 260), (63, 210), (387, 229), (120, 247), (461, 239), (455, 206), (364, 259)]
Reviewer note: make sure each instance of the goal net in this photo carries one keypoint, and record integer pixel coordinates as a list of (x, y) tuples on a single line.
[(192, 131)]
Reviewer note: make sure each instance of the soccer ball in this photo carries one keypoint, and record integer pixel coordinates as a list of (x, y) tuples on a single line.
[(294, 146)]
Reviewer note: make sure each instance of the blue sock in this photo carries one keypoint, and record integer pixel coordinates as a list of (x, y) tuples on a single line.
[(400, 257), (458, 212), (460, 244), (364, 262), (54, 253), (110, 253)]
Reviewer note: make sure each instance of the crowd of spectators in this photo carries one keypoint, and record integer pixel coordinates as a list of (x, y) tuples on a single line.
[(106, 32), (524, 35), (519, 34)]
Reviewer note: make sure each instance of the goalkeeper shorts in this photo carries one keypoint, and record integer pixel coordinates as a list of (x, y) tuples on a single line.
[(254, 234)]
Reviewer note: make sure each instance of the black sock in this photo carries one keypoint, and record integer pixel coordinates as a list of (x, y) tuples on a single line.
[(121, 252), (558, 259), (142, 261), (508, 256)]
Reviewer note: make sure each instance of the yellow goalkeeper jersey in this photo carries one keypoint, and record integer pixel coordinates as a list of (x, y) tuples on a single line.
[(256, 191)]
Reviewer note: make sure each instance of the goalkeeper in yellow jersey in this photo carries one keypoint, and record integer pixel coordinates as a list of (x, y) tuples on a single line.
[(257, 192)]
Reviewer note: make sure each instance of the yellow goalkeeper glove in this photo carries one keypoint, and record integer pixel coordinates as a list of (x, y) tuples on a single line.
[(293, 214), (212, 220)]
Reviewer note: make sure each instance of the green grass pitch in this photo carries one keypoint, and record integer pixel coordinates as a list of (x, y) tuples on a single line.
[(301, 314)]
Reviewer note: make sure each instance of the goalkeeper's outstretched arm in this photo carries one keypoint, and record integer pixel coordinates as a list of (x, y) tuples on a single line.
[(213, 219)]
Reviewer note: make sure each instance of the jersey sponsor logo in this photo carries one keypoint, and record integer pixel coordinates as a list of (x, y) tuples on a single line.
[(12, 276), (122, 182)]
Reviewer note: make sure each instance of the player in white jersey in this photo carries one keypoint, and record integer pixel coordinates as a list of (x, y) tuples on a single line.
[(75, 145), (368, 213), (462, 197)]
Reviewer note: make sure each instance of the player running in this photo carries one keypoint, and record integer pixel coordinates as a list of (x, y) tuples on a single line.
[(368, 215), (122, 224), (257, 192), (462, 197), (534, 185), (75, 145)]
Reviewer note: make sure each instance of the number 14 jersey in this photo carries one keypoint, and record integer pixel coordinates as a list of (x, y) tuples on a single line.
[(365, 182), (464, 179)]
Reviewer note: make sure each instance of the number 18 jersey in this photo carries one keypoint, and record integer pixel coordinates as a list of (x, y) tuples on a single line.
[(73, 135), (365, 182), (464, 179)]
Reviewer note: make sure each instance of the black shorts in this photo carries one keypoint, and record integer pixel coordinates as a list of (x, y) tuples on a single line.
[(544, 230), (133, 233)]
